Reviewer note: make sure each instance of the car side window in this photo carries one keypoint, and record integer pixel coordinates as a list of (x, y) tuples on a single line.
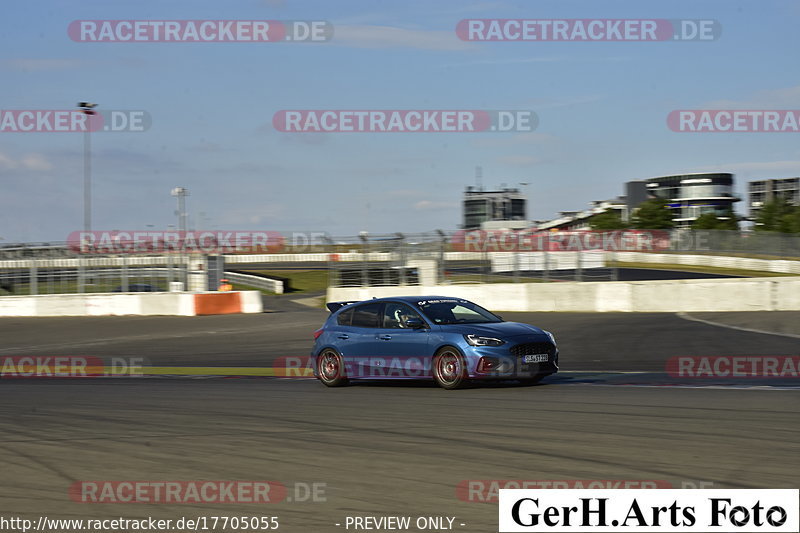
[(395, 313), (367, 315), (345, 317)]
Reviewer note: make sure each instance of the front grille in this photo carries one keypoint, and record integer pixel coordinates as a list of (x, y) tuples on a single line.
[(529, 348)]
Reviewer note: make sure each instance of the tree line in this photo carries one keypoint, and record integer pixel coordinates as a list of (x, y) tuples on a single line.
[(777, 215)]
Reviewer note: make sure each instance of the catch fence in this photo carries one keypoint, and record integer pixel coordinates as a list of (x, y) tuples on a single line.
[(432, 258)]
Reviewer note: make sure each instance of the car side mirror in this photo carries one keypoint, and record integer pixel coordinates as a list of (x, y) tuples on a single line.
[(413, 323)]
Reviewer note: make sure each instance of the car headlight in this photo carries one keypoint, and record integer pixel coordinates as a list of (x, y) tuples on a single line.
[(477, 340), (552, 338)]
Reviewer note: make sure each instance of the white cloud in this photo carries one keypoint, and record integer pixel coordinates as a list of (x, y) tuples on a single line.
[(206, 146), (35, 162), (32, 161), (529, 139), (41, 64), (404, 193), (511, 61), (370, 36), (786, 97), (427, 205), (544, 103), (765, 168), (6, 163), (540, 59), (519, 160)]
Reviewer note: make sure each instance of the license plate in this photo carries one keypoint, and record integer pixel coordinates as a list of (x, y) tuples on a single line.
[(535, 358)]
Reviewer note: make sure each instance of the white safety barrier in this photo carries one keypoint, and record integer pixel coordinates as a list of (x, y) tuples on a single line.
[(102, 304), (687, 295), (258, 282), (506, 262), (719, 261)]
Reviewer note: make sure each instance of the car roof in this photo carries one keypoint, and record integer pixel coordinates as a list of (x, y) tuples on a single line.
[(409, 299)]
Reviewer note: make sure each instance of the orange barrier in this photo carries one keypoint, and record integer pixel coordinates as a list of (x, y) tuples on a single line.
[(222, 303)]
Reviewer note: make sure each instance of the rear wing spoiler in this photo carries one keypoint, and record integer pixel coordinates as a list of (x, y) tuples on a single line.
[(335, 306)]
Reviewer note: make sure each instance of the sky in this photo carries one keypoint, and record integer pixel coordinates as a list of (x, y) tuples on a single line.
[(601, 108)]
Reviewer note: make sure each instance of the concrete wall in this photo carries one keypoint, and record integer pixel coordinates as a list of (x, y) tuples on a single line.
[(750, 294), (251, 302), (168, 303), (746, 263)]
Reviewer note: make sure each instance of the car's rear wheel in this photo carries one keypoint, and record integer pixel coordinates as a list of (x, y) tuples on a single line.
[(330, 368), (449, 368)]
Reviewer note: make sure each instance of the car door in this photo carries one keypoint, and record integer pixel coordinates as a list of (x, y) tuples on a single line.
[(363, 359), (405, 349), (343, 333)]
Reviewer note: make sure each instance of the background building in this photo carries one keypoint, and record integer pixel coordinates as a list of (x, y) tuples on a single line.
[(506, 204), (692, 195), (636, 192), (762, 191), (579, 220), (689, 196)]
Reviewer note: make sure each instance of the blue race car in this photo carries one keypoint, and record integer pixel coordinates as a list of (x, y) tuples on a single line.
[(450, 340)]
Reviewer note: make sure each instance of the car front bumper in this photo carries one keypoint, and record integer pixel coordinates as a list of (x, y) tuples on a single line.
[(507, 361)]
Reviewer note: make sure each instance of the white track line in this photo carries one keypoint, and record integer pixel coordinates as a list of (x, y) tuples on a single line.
[(608, 372), (681, 386), (686, 316)]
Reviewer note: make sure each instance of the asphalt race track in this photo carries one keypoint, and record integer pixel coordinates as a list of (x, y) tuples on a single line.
[(587, 341), (388, 449)]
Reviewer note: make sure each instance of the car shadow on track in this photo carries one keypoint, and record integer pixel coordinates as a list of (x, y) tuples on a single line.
[(430, 384)]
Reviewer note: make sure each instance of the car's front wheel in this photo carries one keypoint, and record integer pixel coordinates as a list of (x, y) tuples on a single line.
[(449, 368), (330, 368)]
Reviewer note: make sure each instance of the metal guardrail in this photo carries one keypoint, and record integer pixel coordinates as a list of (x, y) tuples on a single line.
[(257, 282), (31, 278)]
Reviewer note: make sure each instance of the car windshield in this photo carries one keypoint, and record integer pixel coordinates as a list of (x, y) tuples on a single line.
[(456, 311)]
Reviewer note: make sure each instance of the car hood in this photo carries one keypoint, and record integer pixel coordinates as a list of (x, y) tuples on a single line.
[(498, 329)]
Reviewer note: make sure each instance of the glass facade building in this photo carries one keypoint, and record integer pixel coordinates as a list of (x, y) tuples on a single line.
[(692, 195), (762, 191)]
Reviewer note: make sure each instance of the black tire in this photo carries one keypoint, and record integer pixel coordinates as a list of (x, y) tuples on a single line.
[(449, 368), (330, 368)]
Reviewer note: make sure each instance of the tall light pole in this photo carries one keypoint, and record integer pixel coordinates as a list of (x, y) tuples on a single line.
[(88, 109), (527, 199), (181, 193)]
